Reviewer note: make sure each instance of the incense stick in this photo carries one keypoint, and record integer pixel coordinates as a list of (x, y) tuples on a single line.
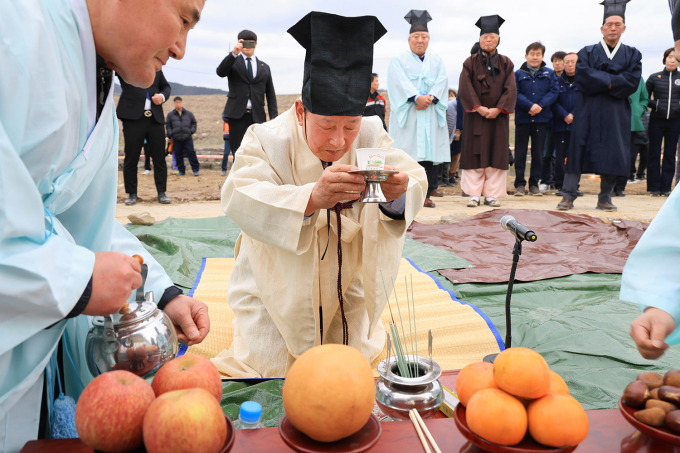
[(407, 363)]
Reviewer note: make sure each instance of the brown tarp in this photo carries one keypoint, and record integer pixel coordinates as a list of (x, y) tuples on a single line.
[(567, 244)]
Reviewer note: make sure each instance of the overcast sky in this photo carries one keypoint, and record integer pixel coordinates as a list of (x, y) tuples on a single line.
[(560, 24)]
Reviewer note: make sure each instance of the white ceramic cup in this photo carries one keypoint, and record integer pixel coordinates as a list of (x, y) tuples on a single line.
[(371, 158)]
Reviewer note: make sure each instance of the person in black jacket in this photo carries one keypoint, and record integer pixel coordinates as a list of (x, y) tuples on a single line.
[(141, 111), (664, 125), (181, 125), (375, 106), (563, 116), (250, 81)]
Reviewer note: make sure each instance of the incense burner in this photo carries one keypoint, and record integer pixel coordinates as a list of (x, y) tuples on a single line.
[(397, 395)]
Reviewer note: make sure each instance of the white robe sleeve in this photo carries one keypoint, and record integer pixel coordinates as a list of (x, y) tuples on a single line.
[(401, 89), (265, 208), (651, 277)]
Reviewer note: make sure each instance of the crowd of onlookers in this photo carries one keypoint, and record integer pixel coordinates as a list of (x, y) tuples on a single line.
[(544, 99)]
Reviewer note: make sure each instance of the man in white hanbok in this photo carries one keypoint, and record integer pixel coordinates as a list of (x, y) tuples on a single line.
[(62, 253), (418, 86), (291, 194)]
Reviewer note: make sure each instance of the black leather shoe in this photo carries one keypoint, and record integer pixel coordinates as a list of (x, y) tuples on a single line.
[(579, 193), (620, 193), (665, 194), (163, 199), (606, 206), (131, 199)]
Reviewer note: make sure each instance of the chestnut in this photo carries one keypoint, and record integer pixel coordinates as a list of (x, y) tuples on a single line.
[(666, 406), (673, 421), (670, 394), (652, 417), (672, 378), (653, 380), (636, 394)]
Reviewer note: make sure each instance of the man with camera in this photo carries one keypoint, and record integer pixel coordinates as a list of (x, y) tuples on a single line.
[(250, 80)]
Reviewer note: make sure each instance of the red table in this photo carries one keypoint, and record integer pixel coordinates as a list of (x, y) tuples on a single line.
[(609, 433)]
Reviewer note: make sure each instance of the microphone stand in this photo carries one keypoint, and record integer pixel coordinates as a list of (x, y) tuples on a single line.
[(516, 252)]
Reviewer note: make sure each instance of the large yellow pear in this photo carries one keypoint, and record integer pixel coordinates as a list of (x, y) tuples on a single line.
[(329, 392)]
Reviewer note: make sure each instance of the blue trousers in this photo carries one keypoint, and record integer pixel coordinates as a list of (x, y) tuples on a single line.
[(179, 149), (225, 155)]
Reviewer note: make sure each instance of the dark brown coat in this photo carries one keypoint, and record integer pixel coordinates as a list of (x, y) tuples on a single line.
[(485, 142)]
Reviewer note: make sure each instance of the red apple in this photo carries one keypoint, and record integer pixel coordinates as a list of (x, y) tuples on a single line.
[(189, 371), (185, 421), (110, 411)]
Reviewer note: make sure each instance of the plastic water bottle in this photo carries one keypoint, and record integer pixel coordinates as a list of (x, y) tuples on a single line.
[(249, 416)]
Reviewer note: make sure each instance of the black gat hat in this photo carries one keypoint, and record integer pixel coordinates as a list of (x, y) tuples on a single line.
[(614, 8), (418, 18), (338, 63), (490, 24)]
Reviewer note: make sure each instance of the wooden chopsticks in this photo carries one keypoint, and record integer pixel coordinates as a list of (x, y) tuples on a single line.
[(419, 424)]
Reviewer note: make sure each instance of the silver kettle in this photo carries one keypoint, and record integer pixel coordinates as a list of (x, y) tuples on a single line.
[(140, 338)]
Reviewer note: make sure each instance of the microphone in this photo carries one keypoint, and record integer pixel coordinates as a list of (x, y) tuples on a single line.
[(517, 229)]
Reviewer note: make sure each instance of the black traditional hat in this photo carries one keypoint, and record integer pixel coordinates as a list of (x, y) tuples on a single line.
[(490, 24), (614, 8), (418, 18), (339, 61)]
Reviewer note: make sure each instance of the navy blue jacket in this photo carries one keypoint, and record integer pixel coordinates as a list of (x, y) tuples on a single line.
[(541, 90), (565, 103)]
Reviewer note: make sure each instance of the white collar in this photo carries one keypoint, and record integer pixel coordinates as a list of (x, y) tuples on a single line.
[(418, 56), (611, 54), (89, 60), (254, 58)]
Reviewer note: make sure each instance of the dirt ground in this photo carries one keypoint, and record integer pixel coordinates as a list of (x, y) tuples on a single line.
[(198, 197)]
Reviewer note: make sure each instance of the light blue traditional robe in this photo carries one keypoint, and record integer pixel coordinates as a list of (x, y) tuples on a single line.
[(423, 134), (53, 159), (651, 277)]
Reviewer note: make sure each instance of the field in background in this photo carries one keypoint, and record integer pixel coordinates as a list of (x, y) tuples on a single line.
[(208, 112)]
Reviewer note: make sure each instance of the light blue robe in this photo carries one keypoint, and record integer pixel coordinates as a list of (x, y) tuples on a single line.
[(52, 159), (651, 277), (423, 134)]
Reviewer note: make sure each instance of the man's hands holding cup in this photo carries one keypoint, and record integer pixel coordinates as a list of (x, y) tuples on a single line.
[(335, 185), (396, 184)]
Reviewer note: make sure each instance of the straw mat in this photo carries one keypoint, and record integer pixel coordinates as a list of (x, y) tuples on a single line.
[(462, 333)]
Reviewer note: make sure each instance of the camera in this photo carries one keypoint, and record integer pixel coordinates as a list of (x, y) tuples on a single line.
[(248, 44)]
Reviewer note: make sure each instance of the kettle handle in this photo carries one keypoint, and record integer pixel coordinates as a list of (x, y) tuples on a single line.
[(126, 306)]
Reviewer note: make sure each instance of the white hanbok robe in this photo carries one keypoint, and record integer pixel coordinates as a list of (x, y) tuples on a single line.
[(56, 166), (279, 279), (423, 134), (651, 277)]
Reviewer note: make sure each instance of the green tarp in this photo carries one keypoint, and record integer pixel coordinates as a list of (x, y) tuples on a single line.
[(581, 328), (577, 322), (179, 245)]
